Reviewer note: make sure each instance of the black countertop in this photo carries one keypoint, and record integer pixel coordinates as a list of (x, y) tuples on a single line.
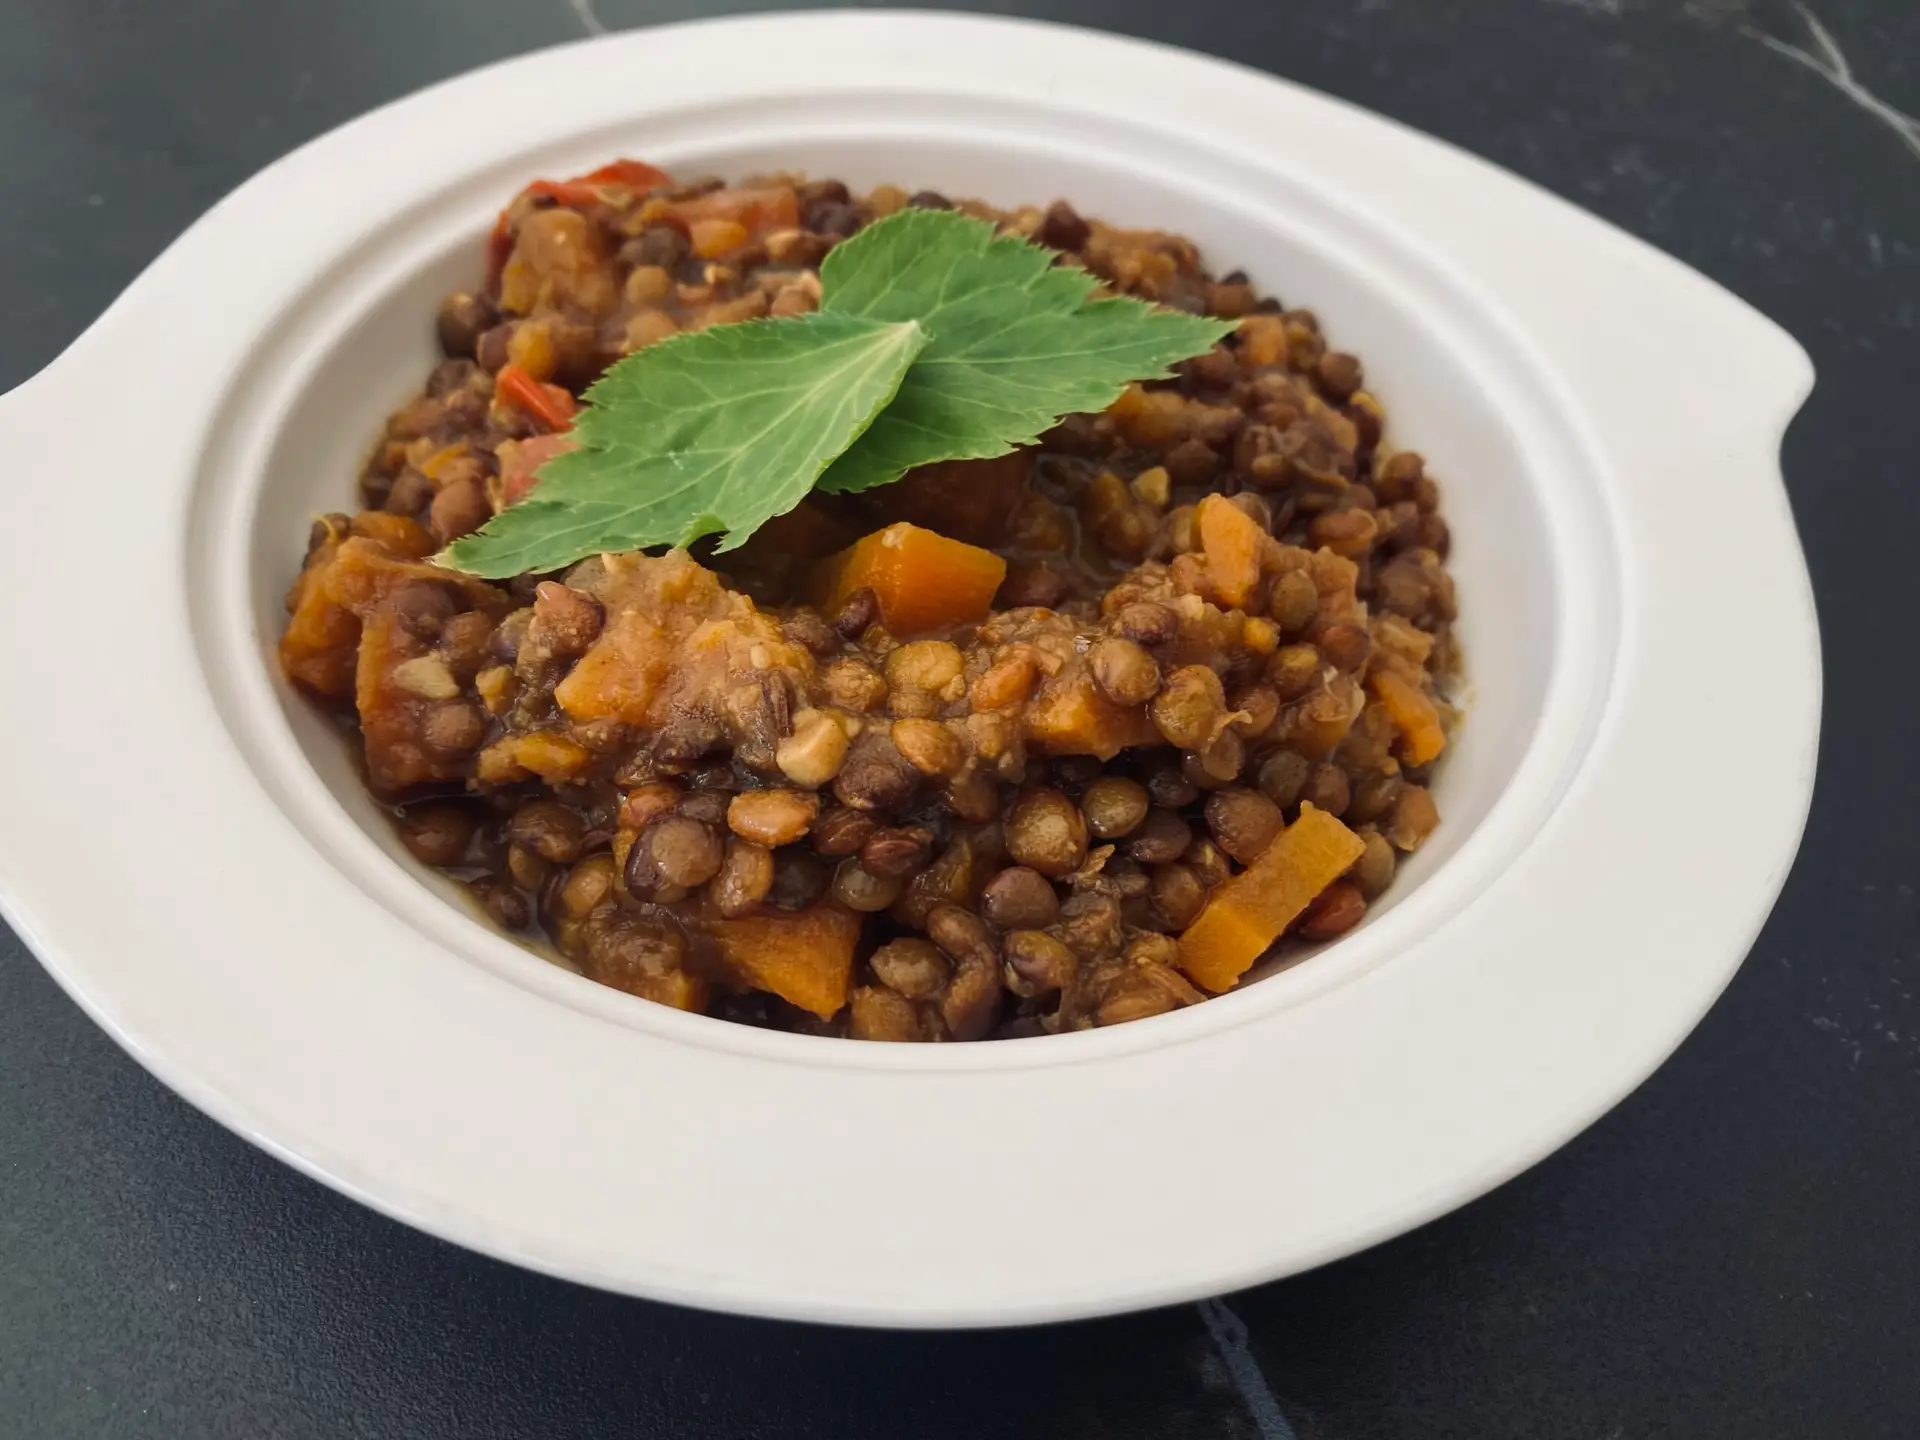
[(1734, 1252)]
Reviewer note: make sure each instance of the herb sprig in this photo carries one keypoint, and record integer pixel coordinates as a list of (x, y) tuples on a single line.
[(936, 339)]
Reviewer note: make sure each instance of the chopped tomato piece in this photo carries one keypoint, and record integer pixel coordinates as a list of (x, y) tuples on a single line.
[(520, 462)]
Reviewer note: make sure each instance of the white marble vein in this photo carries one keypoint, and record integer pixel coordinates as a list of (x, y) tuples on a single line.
[(1831, 65), (1229, 1334), (589, 20)]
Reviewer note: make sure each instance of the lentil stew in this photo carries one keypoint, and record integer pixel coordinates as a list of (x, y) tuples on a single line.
[(1014, 746)]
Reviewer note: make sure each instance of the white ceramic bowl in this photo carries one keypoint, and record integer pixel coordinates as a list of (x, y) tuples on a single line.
[(185, 844)]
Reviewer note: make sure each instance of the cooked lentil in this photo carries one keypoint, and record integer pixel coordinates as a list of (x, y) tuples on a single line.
[(991, 829)]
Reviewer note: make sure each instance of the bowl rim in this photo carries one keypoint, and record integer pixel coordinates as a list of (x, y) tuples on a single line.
[(1473, 1030), (295, 349)]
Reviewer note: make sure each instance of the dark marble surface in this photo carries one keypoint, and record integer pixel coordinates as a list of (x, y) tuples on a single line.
[(1731, 1253)]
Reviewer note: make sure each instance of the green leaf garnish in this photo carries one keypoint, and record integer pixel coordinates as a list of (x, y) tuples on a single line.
[(1016, 341), (715, 430), (937, 339)]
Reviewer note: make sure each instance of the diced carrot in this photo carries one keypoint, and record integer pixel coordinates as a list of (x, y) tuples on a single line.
[(1151, 419), (715, 238), (1263, 340), (805, 958), (446, 458), (531, 348), (1233, 542), (922, 580), (1246, 915), (1413, 715), (1070, 716)]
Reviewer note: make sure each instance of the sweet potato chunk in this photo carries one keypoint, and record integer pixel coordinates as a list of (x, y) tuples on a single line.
[(922, 580), (1233, 542), (674, 640), (1246, 915), (546, 753), (1413, 715), (558, 259), (317, 647), (347, 576), (390, 714), (805, 958), (620, 676), (678, 988)]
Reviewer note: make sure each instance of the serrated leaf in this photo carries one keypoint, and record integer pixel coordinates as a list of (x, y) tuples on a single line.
[(718, 430), (1015, 341)]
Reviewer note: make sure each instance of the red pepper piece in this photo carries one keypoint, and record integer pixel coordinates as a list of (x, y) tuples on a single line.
[(581, 191), (549, 404), (634, 174)]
